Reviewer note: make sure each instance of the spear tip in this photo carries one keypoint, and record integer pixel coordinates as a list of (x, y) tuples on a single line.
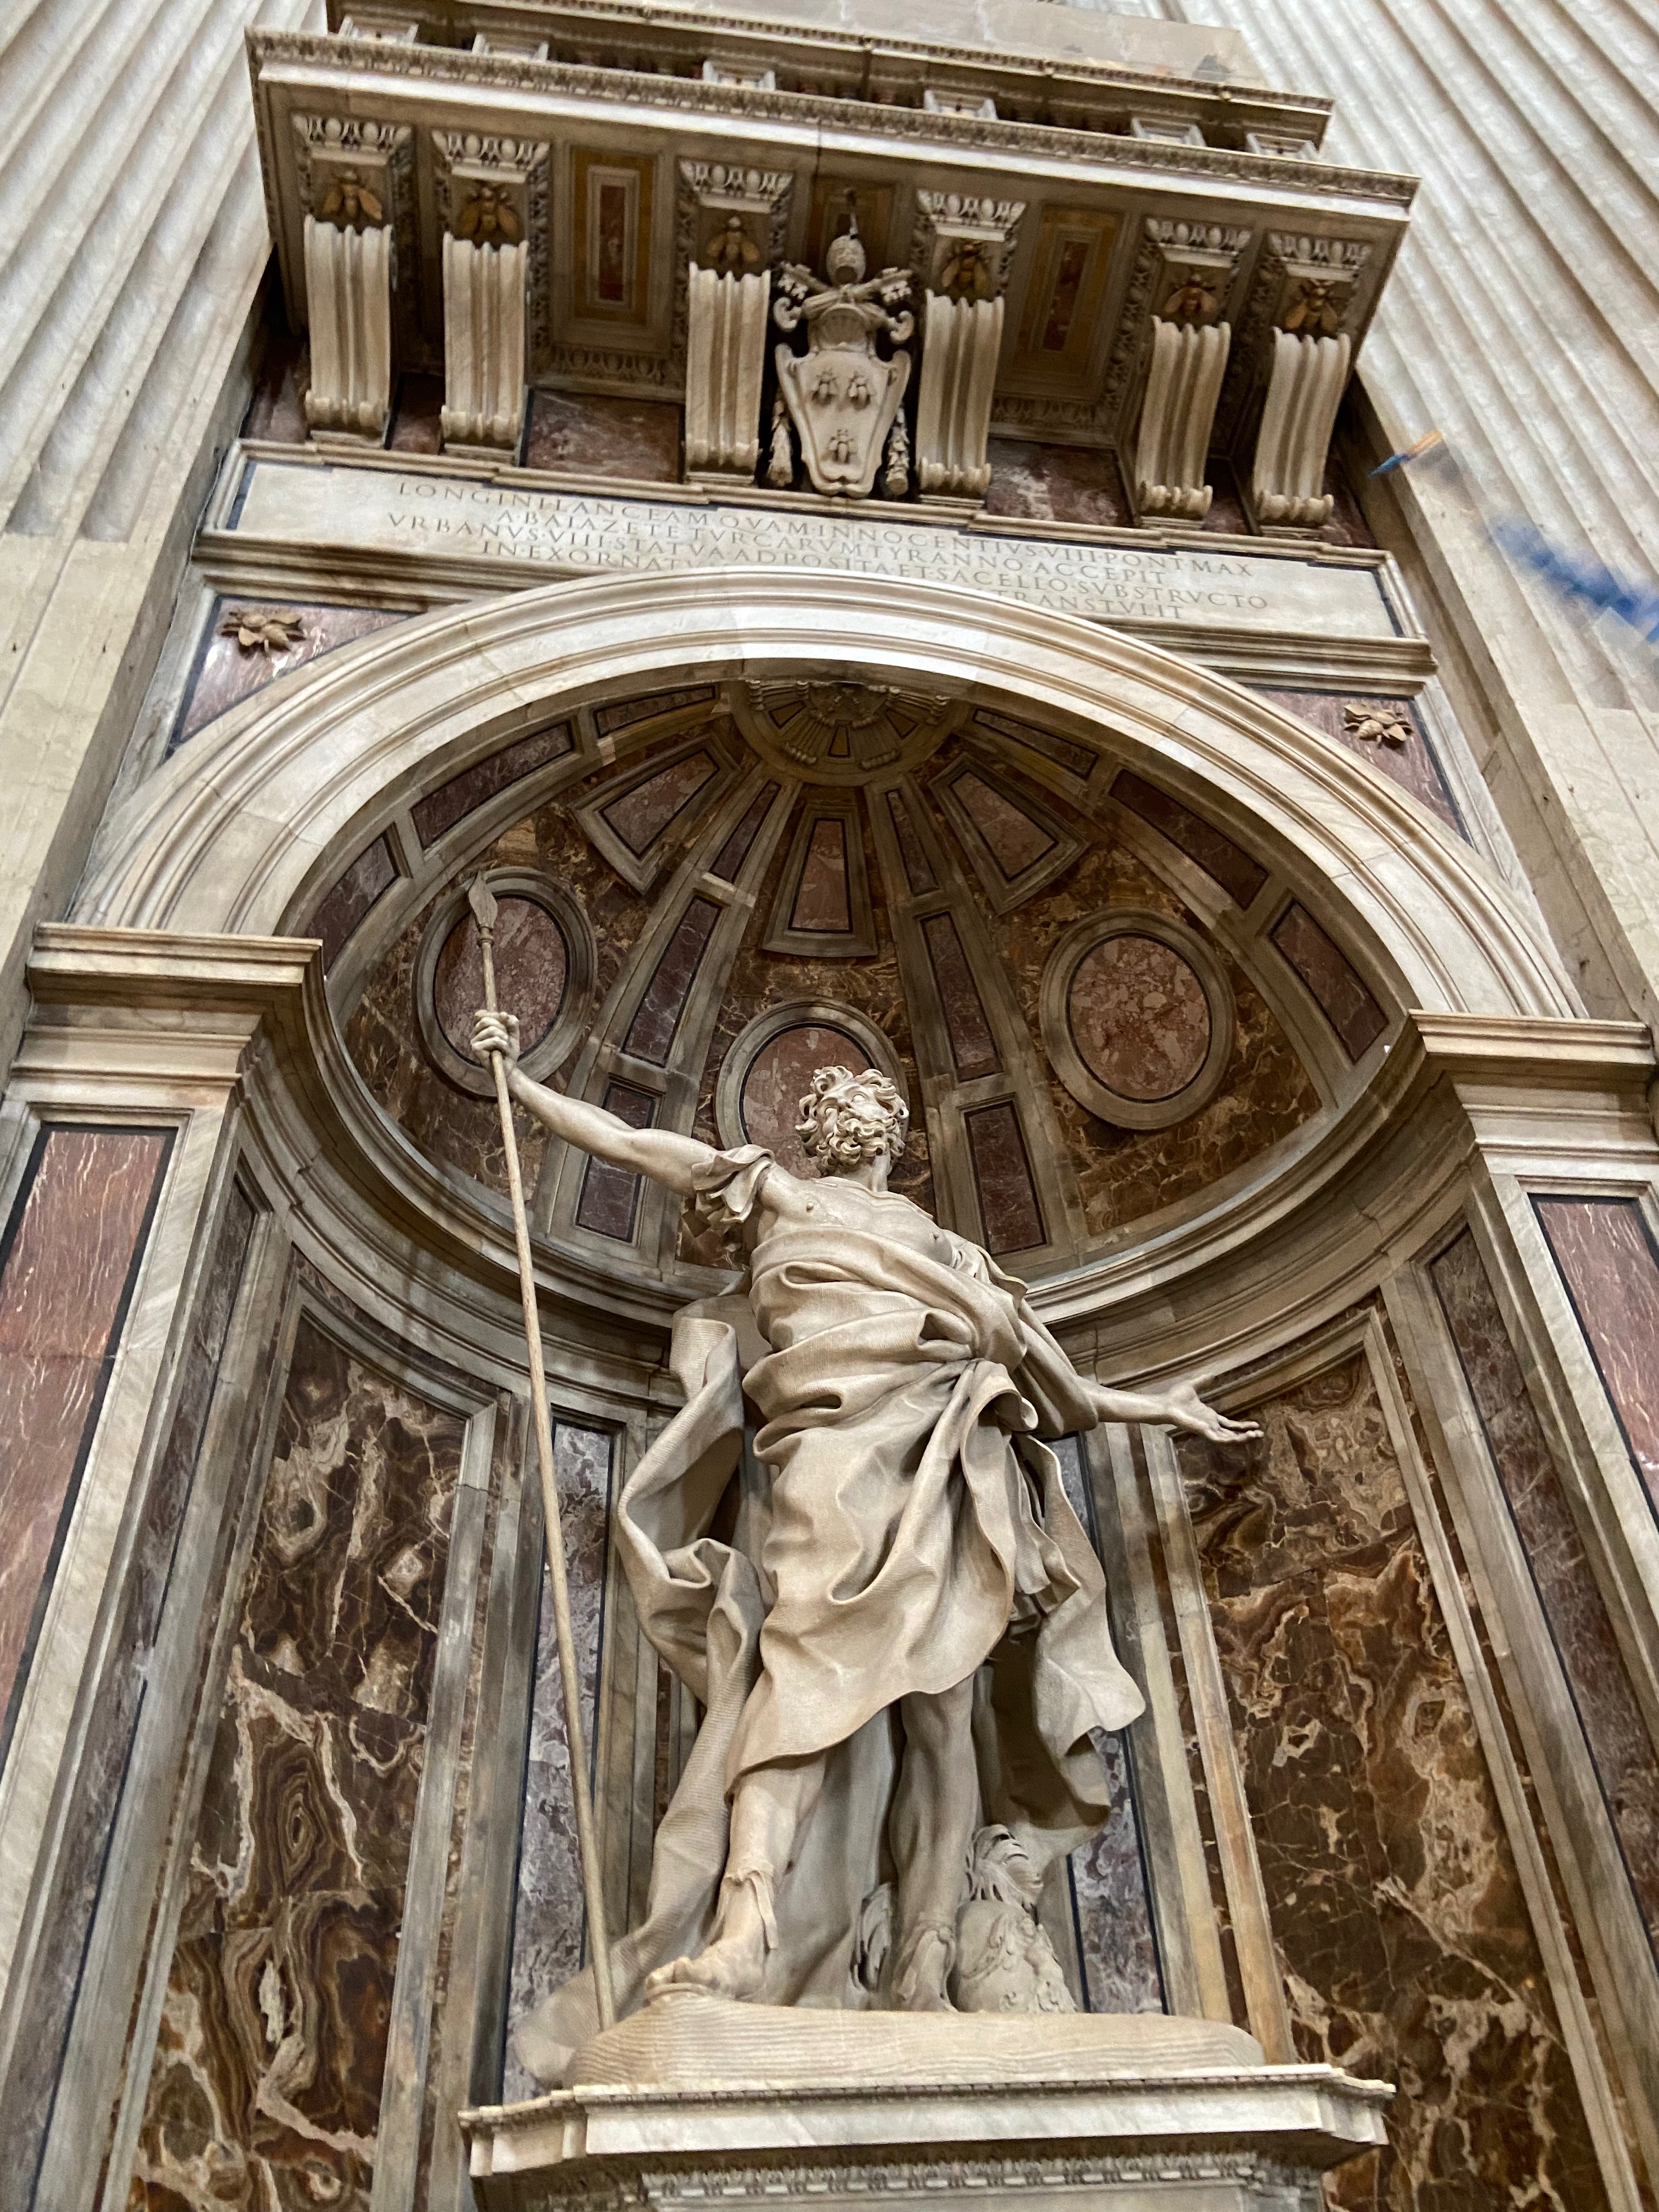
[(481, 899)]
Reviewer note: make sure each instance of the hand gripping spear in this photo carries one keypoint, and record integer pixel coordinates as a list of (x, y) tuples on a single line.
[(483, 904)]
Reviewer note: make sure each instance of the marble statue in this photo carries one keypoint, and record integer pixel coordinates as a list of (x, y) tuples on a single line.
[(842, 396), (892, 1619)]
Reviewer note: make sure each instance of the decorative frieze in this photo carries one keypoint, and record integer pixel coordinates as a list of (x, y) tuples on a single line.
[(962, 246)]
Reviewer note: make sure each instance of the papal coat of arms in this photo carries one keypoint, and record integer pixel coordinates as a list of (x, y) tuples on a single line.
[(842, 396)]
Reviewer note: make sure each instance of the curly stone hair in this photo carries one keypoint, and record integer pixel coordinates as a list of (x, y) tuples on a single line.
[(846, 1118)]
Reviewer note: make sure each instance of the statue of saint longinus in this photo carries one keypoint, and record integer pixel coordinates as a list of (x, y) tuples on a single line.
[(890, 1613)]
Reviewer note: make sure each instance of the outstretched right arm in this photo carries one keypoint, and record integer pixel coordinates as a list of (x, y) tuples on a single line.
[(667, 1159)]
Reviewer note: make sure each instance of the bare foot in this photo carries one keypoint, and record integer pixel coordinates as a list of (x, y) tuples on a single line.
[(733, 1964), (924, 1975)]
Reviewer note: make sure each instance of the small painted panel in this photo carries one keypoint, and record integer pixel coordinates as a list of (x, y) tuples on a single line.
[(1062, 298), (71, 1255), (372, 873), (823, 900), (727, 863), (611, 235), (1016, 842), (1139, 1017), (1340, 992), (532, 964), (1398, 1913), (1002, 1170), (973, 1047), (609, 1197), (645, 813), (1605, 1251), (1204, 845), (1621, 1748), (249, 643), (913, 853), (780, 1075), (549, 1916), (651, 1033), (265, 2087), (452, 802)]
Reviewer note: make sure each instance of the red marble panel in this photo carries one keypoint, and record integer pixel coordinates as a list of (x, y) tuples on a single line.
[(550, 1916), (913, 855), (533, 962), (609, 1195), (972, 1045), (265, 2087), (1070, 755), (1619, 1746), (1402, 1929), (372, 873), (1205, 846), (651, 1032), (440, 810), (727, 863), (418, 415), (645, 813), (225, 673), (1139, 1017), (823, 898), (604, 437), (779, 1078), (1605, 1252), (1016, 841), (1054, 483), (276, 410), (1340, 992), (628, 713), (71, 1254), (1414, 766), (1002, 1172)]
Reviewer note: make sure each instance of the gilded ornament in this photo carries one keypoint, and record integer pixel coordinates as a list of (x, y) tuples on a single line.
[(1378, 726), (489, 215), (258, 630), (350, 203), (731, 251), (1313, 314)]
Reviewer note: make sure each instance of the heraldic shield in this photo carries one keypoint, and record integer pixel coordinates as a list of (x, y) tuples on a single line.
[(842, 398)]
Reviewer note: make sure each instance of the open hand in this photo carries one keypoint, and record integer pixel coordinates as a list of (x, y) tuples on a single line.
[(1186, 1410), (496, 1033)]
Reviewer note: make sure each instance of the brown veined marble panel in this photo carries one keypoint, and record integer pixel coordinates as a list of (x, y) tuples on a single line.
[(418, 415), (823, 898), (727, 863), (650, 707), (1002, 1173), (759, 980), (225, 672), (608, 437), (452, 802), (1401, 1927), (1341, 994), (1621, 1748), (1205, 846), (1016, 841), (609, 1195), (531, 962), (55, 1975), (1606, 1255), (1139, 1017), (651, 1033), (1076, 759), (549, 1917), (1125, 1174), (265, 2087), (1414, 766), (913, 853), (347, 904), (641, 815), (973, 1047), (1054, 483), (383, 1038), (70, 1258)]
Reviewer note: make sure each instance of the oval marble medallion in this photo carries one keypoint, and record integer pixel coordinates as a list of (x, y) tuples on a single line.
[(779, 1077), (533, 967), (1139, 1017)]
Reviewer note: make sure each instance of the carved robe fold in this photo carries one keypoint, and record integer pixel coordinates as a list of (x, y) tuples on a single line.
[(899, 1528)]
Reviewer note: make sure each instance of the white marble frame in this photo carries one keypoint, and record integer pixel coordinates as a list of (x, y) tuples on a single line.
[(794, 1013), (570, 1022)]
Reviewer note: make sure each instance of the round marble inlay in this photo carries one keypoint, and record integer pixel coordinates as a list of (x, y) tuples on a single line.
[(532, 966), (778, 1079), (1139, 1017)]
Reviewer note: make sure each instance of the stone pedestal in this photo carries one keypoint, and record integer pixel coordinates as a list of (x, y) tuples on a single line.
[(1134, 2113)]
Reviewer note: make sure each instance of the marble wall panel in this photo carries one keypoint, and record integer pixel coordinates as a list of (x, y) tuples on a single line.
[(265, 2087), (1620, 1747), (69, 1260), (1054, 483), (55, 1976), (1605, 1251), (532, 962), (1223, 862), (348, 902), (727, 863), (1414, 766), (973, 1047), (1401, 1925), (913, 853), (225, 672), (418, 415), (1009, 1210), (1123, 1174), (1076, 758), (780, 1075), (823, 896), (657, 1018), (1016, 841), (452, 802), (1341, 993), (649, 706), (550, 1920), (382, 1036), (869, 985), (648, 809), (610, 1199), (1139, 1017), (639, 439)]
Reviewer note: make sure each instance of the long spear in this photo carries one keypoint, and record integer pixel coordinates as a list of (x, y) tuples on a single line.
[(483, 902)]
